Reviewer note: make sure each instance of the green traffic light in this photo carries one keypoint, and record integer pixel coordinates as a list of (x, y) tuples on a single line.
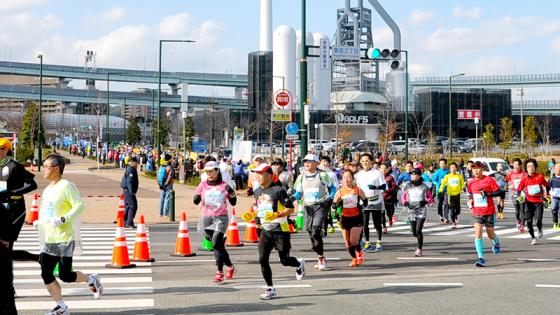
[(374, 53)]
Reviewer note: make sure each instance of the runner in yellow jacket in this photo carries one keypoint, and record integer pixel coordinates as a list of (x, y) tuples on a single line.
[(455, 184)]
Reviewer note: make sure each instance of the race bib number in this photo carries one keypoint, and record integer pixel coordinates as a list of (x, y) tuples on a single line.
[(47, 208), (264, 206), (516, 183), (533, 189), (350, 201), (213, 198), (556, 192), (415, 195), (454, 182), (311, 195), (480, 201)]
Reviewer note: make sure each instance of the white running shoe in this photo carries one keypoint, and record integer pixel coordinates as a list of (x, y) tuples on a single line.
[(268, 294), (323, 264), (541, 234), (534, 241), (59, 310), (300, 271), (95, 286)]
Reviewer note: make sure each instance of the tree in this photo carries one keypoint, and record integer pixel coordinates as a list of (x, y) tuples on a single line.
[(30, 126), (506, 134), (164, 131), (134, 134), (530, 133), (189, 133), (419, 123), (543, 127), (488, 138)]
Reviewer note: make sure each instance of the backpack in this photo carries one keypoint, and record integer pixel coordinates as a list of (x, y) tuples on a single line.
[(162, 176)]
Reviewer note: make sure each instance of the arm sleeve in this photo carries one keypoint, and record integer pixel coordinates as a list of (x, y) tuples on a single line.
[(72, 195), (129, 184), (232, 197), (404, 197), (29, 184), (197, 194), (429, 196), (462, 182)]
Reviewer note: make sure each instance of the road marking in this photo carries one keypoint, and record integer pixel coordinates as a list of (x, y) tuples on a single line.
[(539, 259), (424, 284), (104, 280), (85, 291), (428, 230), (107, 271), (186, 260), (80, 264), (527, 235), (428, 258), (242, 287), (547, 285), (88, 304)]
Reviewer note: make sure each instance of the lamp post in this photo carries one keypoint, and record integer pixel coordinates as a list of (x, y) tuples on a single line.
[(107, 118), (40, 133), (406, 107), (303, 82), (450, 127), (161, 41)]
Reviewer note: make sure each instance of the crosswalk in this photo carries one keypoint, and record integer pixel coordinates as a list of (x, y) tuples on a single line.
[(124, 289)]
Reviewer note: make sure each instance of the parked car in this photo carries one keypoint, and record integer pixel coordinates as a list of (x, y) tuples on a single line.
[(491, 164), (366, 146), (417, 149), (397, 146)]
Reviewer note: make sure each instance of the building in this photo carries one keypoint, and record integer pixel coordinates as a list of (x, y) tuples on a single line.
[(434, 103), (19, 105)]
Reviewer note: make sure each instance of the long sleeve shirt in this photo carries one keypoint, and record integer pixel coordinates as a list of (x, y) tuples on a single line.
[(454, 184)]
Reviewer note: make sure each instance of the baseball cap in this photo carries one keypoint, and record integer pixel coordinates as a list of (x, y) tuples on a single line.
[(277, 162), (209, 166), (416, 171), (311, 157), (5, 144), (257, 157), (262, 168), (478, 164)]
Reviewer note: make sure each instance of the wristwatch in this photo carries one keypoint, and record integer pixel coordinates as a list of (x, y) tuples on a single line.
[(63, 219)]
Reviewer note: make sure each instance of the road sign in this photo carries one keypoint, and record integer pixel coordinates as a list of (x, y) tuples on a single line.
[(468, 113), (292, 128), (282, 98), (281, 115), (345, 53), (292, 137), (324, 56)]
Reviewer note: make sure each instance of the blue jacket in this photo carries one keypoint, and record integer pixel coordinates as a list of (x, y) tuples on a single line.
[(438, 177), (554, 183), (404, 177)]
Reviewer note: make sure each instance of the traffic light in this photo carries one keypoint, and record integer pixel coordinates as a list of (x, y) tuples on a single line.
[(391, 56)]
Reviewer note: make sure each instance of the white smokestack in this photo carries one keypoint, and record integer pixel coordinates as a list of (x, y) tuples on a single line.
[(265, 42)]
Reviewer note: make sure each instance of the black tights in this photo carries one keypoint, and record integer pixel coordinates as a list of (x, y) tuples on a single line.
[(220, 253), (532, 211), (376, 216), (48, 264), (417, 226), (285, 259), (22, 255)]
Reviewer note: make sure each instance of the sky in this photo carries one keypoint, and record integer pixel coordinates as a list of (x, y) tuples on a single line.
[(442, 37)]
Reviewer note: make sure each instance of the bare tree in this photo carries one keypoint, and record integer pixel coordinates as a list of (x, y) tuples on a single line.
[(431, 139), (388, 126), (543, 128), (419, 123)]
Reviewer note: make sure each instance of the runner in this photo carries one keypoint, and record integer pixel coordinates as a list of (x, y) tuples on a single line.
[(404, 177), (389, 195), (454, 183), (500, 178), (532, 186), (372, 182), (555, 194), (351, 219), (274, 207), (326, 166), (416, 196), (285, 178), (481, 189), (514, 178), (213, 222), (315, 188), (252, 183), (61, 208), (442, 208)]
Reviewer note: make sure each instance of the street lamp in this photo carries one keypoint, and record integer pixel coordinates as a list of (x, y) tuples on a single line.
[(303, 82), (406, 107), (450, 127), (161, 41), (40, 133)]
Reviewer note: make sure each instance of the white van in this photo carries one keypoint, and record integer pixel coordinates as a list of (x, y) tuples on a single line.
[(491, 164)]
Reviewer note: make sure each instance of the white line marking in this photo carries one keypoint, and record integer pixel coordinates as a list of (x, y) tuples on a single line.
[(434, 229), (454, 232), (27, 264), (425, 284), (86, 292), (428, 258), (539, 259), (186, 260), (88, 304), (527, 235), (90, 271), (105, 280), (241, 287), (547, 285)]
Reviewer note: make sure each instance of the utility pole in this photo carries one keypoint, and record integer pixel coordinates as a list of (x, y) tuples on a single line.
[(522, 93), (303, 83)]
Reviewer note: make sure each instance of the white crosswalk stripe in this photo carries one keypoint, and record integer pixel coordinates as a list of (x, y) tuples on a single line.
[(124, 289)]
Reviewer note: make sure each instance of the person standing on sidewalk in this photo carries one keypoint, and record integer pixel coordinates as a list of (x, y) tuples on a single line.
[(61, 206), (165, 177), (129, 184)]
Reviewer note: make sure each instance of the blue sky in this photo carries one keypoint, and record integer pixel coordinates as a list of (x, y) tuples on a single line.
[(443, 37)]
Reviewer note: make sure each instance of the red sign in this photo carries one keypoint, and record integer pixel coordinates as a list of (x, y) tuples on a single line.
[(468, 113), (282, 98)]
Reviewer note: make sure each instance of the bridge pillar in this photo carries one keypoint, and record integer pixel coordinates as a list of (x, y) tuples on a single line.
[(90, 84), (174, 88)]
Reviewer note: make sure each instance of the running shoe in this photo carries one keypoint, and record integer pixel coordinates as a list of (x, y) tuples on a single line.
[(360, 258), (480, 262), (555, 227), (522, 229), (518, 225), (331, 229), (390, 223), (496, 248), (300, 271), (454, 227), (418, 253), (59, 310), (534, 241), (385, 230), (219, 277), (368, 248), (323, 264), (354, 263), (541, 234), (95, 286), (268, 294), (378, 246), (229, 272), (394, 218)]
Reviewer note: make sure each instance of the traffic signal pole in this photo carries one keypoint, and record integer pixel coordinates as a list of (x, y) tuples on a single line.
[(303, 83)]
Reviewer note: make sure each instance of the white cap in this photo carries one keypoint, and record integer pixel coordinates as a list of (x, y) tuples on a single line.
[(211, 166), (311, 157), (258, 156), (394, 162), (262, 168)]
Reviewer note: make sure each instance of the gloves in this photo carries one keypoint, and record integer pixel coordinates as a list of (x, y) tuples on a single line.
[(270, 216), (546, 202), (483, 193), (248, 216), (521, 198), (56, 222)]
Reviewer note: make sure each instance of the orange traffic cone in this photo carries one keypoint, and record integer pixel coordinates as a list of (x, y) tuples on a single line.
[(141, 245), (183, 243), (120, 250), (33, 214), (251, 235), (120, 210), (232, 236)]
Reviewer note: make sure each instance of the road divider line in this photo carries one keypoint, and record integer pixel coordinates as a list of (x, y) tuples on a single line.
[(547, 285), (539, 259), (242, 287), (105, 280), (86, 292), (22, 265), (429, 258), (88, 304), (37, 272), (423, 284)]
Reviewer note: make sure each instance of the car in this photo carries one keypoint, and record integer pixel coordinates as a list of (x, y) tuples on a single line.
[(366, 146), (417, 149), (491, 164), (397, 146)]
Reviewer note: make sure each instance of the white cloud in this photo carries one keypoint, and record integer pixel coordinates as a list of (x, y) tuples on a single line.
[(114, 14), (556, 44), (383, 37), (497, 65), (474, 13), (418, 16), (50, 20), (18, 5)]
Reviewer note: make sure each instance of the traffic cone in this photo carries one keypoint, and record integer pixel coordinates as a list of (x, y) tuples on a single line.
[(141, 245), (232, 236), (206, 244), (183, 243), (33, 214), (251, 235), (300, 219), (120, 250), (120, 210)]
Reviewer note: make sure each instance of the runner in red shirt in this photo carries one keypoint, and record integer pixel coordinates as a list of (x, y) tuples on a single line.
[(513, 179), (532, 185), (481, 189)]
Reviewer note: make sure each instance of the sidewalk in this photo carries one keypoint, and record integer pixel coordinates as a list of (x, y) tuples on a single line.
[(106, 182)]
